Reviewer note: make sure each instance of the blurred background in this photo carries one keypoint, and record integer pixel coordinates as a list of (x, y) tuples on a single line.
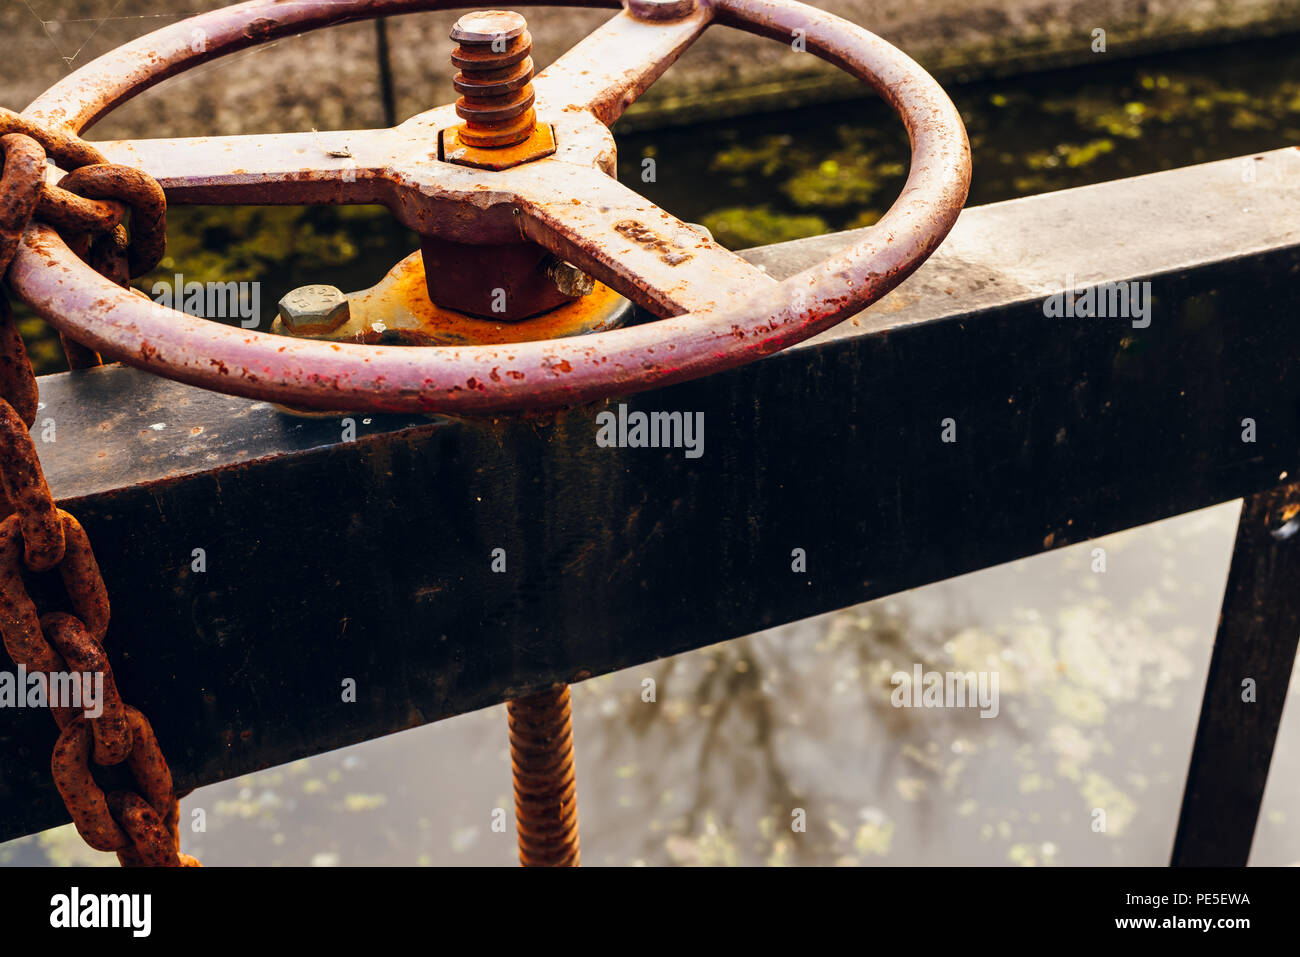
[(1101, 673)]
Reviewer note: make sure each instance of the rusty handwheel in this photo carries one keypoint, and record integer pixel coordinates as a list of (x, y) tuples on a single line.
[(517, 175), (560, 195)]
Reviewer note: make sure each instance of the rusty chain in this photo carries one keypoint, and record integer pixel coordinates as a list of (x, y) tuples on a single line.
[(87, 207)]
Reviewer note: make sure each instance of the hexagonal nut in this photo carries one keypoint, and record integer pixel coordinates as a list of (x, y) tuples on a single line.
[(314, 310), (540, 144)]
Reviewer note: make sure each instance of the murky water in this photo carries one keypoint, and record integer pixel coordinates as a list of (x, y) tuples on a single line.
[(789, 175), (1100, 673)]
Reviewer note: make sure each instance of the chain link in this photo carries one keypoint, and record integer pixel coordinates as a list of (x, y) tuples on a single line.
[(36, 536)]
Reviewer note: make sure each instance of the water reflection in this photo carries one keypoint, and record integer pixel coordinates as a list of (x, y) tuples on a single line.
[(1099, 678)]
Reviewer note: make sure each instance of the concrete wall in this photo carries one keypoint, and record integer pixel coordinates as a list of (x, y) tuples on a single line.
[(329, 79)]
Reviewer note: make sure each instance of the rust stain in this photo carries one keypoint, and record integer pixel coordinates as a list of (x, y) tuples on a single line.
[(669, 252)]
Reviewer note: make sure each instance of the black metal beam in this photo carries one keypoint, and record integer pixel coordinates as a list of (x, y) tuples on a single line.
[(372, 560), (1250, 669)]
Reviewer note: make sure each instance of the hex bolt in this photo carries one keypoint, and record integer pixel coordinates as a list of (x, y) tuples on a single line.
[(495, 79), (314, 310), (569, 279)]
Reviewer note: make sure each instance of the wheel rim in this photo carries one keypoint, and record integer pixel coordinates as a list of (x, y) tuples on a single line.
[(476, 379)]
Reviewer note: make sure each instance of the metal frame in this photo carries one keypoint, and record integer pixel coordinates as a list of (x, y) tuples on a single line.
[(372, 559)]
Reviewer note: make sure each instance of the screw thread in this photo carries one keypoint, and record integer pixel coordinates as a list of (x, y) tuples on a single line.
[(546, 790), (495, 79)]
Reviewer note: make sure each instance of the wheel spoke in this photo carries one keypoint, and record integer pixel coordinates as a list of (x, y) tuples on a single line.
[(608, 70), (280, 168), (630, 244)]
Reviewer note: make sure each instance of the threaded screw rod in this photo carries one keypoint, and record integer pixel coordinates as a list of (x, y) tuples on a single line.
[(546, 789), (495, 79)]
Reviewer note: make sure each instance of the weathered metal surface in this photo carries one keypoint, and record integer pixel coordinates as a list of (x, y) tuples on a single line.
[(651, 257), (24, 492), (141, 827), (495, 86), (62, 146), (604, 73), (537, 144), (564, 202), (377, 553), (503, 283), (1250, 669), (144, 196), (38, 537), (96, 235), (387, 167), (81, 650), (660, 9), (546, 786), (20, 190), (497, 98), (398, 311), (17, 384), (69, 212), (313, 310)]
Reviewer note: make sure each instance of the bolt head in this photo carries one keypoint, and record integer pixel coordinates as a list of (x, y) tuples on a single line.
[(569, 279), (660, 9), (484, 26), (312, 310)]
